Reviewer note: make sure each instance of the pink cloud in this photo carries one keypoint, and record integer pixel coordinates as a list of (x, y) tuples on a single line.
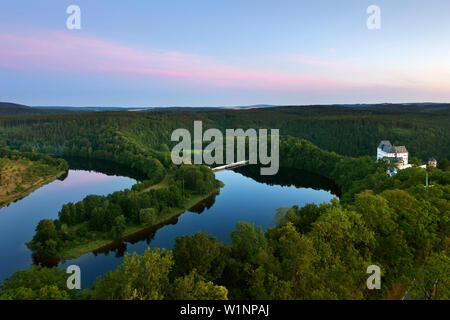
[(322, 63), (65, 52)]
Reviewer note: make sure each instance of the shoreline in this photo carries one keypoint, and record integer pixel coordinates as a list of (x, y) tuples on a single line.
[(99, 245), (31, 189)]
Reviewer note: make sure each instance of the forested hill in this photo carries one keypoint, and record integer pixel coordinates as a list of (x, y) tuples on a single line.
[(7, 108), (353, 130), (14, 109), (347, 130)]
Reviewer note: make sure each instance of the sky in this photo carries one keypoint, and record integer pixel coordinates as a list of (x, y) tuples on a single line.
[(223, 52)]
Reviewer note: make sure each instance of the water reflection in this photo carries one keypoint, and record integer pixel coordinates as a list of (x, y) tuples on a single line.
[(247, 196), (119, 247), (286, 177), (63, 176), (106, 167), (19, 220), (241, 199), (205, 204), (291, 177)]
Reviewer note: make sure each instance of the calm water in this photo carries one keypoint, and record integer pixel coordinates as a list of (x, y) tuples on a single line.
[(245, 197), (19, 219)]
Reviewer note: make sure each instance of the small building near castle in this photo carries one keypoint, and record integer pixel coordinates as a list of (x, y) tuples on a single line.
[(392, 171), (432, 162)]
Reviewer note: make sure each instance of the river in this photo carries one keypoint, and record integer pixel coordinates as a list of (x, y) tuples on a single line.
[(245, 197)]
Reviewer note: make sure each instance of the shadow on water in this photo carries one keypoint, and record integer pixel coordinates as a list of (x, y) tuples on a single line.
[(48, 262), (205, 204), (119, 247), (288, 177), (106, 167), (63, 176)]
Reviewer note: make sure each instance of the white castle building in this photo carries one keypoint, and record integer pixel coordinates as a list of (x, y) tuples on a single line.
[(397, 155)]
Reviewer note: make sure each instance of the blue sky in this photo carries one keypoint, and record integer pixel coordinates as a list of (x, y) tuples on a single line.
[(224, 52)]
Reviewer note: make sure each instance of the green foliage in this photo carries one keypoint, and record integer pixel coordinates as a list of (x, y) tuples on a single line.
[(444, 164), (198, 179), (351, 130), (194, 287), (147, 216), (118, 227), (146, 277), (432, 279), (415, 161), (46, 241), (199, 252), (139, 277), (60, 164), (38, 283)]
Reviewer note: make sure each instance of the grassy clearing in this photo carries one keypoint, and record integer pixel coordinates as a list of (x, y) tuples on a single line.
[(164, 183), (19, 178)]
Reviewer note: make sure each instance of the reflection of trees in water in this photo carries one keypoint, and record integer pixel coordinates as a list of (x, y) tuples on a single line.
[(119, 247), (48, 262), (106, 167), (205, 204), (291, 177), (120, 250), (284, 177), (148, 234), (63, 176)]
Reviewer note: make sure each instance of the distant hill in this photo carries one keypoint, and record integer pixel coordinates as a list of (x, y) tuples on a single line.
[(7, 108), (81, 109), (348, 129), (255, 106), (132, 109), (147, 109), (14, 109)]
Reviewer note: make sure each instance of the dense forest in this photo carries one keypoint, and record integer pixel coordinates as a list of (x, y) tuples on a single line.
[(313, 252), (352, 131)]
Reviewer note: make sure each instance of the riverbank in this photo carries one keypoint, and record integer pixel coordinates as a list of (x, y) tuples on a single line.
[(17, 179), (101, 240)]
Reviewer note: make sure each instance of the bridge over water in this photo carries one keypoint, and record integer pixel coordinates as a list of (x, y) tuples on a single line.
[(230, 166)]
